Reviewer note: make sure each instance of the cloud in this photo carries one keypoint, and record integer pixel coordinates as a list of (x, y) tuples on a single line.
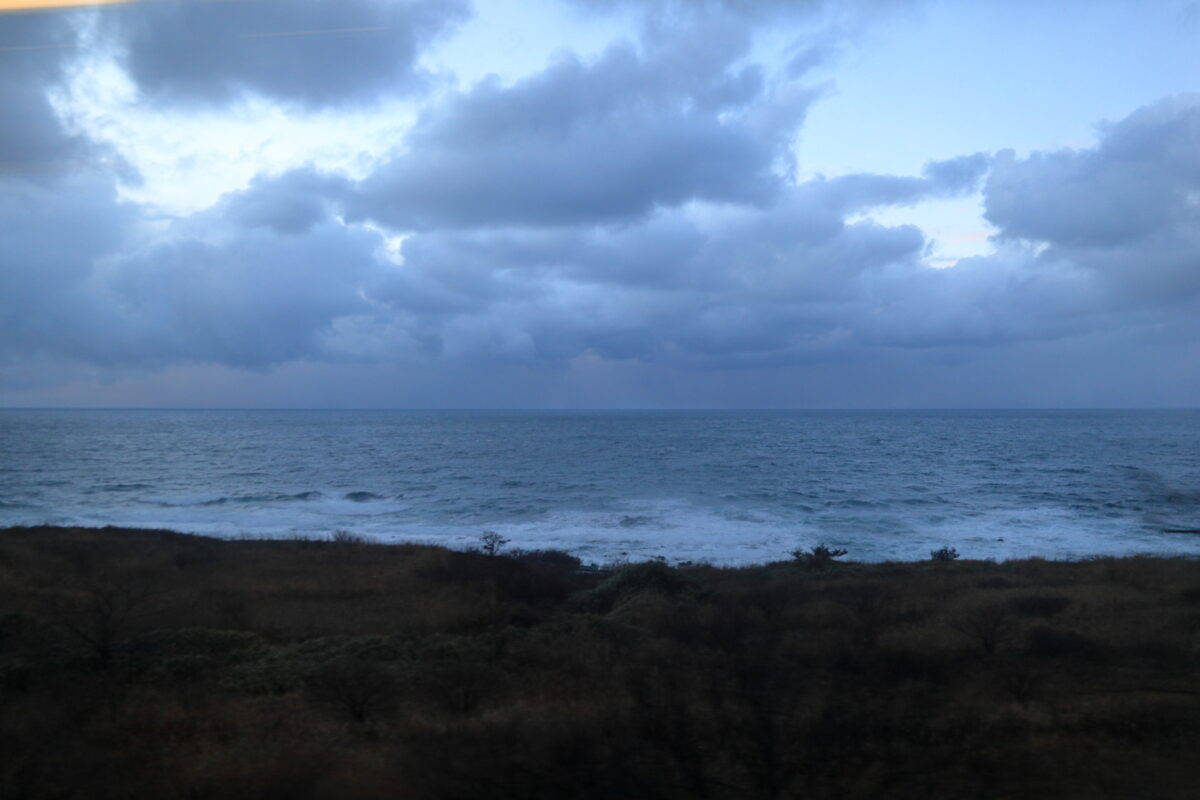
[(753, 9), (45, 305), (1099, 239), (731, 286), (1135, 183), (1103, 239), (209, 288), (33, 48), (985, 301), (1127, 210), (634, 214), (292, 203), (589, 142), (958, 175), (270, 275), (316, 53), (251, 299)]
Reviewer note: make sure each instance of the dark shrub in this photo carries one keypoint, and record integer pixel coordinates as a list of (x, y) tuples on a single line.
[(1165, 656), (360, 688), (647, 576), (1039, 605), (366, 648), (101, 615), (457, 567), (1047, 642), (1018, 680), (542, 575), (988, 623), (193, 641), (456, 687), (944, 554), (871, 604), (894, 664), (995, 582), (510, 578), (549, 560), (25, 636), (456, 674), (342, 536), (188, 653), (819, 556), (14, 674)]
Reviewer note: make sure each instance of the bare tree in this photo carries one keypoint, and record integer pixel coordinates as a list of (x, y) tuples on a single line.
[(492, 543), (361, 688), (101, 613), (987, 623)]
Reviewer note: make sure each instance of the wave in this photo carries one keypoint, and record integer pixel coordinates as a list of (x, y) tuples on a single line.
[(362, 497), (208, 501)]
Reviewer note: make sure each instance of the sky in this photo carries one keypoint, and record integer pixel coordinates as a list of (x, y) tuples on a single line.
[(585, 204)]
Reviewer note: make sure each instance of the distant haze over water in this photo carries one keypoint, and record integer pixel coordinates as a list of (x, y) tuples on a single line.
[(728, 487)]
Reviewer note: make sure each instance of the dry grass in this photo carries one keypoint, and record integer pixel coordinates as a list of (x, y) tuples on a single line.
[(152, 664)]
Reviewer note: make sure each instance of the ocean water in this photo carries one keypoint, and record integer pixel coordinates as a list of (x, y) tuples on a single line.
[(725, 487)]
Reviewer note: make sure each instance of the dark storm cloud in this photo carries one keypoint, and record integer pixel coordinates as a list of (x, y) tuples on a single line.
[(1134, 184), (751, 284), (268, 275), (289, 204), (58, 209), (314, 52), (792, 280), (637, 211), (1127, 211), (581, 143), (52, 233), (33, 48), (208, 288), (1096, 240), (803, 233), (249, 298), (984, 301), (1105, 238)]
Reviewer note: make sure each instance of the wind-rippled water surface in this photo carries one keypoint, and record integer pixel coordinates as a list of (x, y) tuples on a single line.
[(730, 487)]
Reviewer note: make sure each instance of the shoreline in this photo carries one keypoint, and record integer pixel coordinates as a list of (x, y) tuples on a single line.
[(466, 543)]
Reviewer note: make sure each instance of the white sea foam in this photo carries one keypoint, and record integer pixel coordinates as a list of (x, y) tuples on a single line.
[(729, 489)]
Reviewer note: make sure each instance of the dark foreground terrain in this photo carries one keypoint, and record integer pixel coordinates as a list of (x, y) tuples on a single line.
[(154, 664)]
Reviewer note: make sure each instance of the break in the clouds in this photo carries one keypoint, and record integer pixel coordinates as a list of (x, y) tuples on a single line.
[(642, 219)]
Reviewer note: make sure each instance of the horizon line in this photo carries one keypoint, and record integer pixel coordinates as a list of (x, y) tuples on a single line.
[(596, 409)]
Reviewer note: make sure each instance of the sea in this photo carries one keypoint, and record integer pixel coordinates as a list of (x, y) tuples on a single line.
[(725, 487)]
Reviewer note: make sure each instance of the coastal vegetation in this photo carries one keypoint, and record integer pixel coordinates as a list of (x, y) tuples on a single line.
[(158, 664)]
